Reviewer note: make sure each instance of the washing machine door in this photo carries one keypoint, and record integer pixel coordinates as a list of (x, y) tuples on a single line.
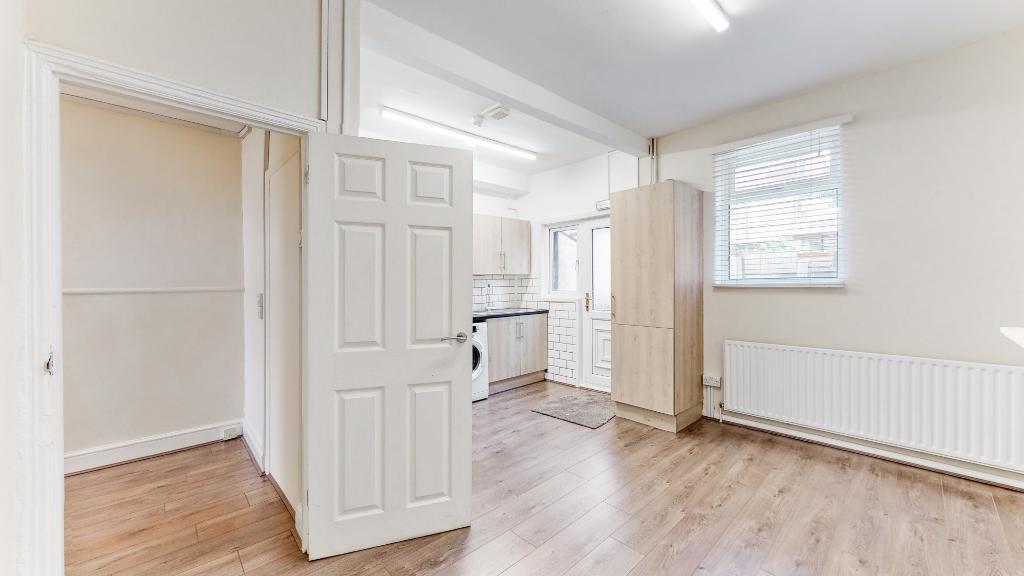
[(478, 358)]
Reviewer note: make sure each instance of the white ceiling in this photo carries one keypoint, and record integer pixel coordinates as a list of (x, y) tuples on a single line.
[(384, 81), (655, 66)]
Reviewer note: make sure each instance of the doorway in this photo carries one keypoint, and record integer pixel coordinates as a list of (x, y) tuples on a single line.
[(594, 238)]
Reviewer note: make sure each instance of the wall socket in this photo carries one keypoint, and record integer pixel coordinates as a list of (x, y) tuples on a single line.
[(713, 381)]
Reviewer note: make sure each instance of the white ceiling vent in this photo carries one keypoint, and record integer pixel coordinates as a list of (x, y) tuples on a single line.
[(495, 112)]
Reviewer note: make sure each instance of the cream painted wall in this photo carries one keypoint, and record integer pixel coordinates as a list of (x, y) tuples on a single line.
[(148, 204), (12, 312), (265, 51), (932, 211)]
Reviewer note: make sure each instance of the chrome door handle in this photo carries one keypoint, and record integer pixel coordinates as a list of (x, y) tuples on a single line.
[(460, 338)]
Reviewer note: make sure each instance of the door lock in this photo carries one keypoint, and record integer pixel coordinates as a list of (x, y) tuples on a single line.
[(586, 301)]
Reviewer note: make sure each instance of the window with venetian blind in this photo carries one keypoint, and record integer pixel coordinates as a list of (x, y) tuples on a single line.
[(777, 211)]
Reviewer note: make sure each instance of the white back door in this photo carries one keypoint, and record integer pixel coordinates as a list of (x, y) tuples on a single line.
[(387, 406), (594, 245)]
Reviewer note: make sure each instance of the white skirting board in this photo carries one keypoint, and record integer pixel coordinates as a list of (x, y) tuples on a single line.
[(107, 455), (853, 445), (253, 439)]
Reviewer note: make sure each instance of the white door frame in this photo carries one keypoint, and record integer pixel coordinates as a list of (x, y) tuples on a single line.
[(39, 469)]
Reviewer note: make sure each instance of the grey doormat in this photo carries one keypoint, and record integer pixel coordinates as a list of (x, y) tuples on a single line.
[(583, 407)]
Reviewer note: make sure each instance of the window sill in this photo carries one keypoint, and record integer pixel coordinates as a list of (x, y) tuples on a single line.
[(836, 284)]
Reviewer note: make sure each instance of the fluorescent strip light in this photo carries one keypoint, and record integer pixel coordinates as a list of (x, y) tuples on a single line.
[(713, 13), (436, 127)]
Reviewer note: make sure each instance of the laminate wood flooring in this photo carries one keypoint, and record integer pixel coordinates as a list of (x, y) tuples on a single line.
[(551, 498)]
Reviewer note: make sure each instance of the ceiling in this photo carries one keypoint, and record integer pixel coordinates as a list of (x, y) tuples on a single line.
[(655, 66), (386, 82)]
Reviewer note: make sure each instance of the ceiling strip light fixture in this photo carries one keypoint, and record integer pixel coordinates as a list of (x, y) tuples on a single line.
[(713, 13), (437, 127)]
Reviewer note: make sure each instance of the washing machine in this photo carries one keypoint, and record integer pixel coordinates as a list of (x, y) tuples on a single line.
[(480, 377)]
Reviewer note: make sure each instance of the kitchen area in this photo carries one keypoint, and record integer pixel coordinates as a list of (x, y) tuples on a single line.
[(510, 339)]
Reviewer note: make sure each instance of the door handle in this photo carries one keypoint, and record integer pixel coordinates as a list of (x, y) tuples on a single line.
[(586, 301), (460, 338)]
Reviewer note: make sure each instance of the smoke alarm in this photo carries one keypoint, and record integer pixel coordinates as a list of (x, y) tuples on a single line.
[(495, 112)]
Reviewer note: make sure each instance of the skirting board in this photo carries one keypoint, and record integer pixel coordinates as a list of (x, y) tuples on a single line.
[(515, 382), (122, 452), (666, 422), (861, 448), (253, 443)]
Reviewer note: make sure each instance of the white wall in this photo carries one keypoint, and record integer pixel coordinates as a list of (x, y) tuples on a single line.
[(148, 205), (254, 423), (12, 313), (266, 51), (932, 212)]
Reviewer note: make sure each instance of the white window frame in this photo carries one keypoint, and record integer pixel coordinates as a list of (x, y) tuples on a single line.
[(548, 275), (839, 281)]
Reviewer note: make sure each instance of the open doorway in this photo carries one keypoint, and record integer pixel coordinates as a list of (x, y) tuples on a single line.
[(181, 273)]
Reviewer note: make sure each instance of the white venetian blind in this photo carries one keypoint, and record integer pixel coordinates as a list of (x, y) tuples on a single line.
[(777, 206)]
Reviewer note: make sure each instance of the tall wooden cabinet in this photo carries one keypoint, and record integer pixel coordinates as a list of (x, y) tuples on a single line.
[(657, 304), (500, 245)]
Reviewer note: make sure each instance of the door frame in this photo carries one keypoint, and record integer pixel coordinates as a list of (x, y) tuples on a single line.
[(39, 468), (542, 254)]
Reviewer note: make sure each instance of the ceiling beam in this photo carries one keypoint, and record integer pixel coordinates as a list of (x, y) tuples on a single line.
[(387, 34)]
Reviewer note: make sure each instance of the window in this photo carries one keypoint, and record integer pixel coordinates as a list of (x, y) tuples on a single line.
[(562, 259), (777, 206)]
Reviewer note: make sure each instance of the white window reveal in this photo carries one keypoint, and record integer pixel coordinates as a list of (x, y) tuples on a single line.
[(777, 211)]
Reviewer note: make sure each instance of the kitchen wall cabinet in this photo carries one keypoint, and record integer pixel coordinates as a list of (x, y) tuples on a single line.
[(517, 350), (500, 245), (657, 304)]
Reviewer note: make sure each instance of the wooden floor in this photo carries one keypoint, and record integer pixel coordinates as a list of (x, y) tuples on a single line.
[(554, 498)]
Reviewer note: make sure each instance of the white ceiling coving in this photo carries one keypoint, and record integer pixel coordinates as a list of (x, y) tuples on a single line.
[(655, 66)]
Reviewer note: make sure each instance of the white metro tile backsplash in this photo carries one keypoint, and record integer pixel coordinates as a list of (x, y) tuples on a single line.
[(501, 291)]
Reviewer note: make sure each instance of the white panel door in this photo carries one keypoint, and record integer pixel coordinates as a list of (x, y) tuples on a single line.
[(388, 269), (594, 241)]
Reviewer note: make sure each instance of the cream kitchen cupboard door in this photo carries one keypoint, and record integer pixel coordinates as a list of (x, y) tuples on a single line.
[(515, 246), (388, 263), (487, 244), (642, 257), (504, 355), (534, 343)]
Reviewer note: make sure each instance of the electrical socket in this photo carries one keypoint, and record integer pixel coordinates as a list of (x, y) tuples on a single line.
[(713, 381)]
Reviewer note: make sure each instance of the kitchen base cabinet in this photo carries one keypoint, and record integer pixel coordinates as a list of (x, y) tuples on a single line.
[(517, 351)]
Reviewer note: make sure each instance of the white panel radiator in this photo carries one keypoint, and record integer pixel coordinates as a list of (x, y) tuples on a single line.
[(960, 410)]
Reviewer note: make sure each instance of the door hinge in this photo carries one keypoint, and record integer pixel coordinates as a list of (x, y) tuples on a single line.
[(300, 237), (51, 364), (305, 174), (259, 305)]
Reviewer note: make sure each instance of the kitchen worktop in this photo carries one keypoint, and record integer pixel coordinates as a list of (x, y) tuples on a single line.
[(505, 312)]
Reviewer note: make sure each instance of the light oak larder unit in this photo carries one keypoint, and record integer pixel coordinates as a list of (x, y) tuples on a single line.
[(657, 304)]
